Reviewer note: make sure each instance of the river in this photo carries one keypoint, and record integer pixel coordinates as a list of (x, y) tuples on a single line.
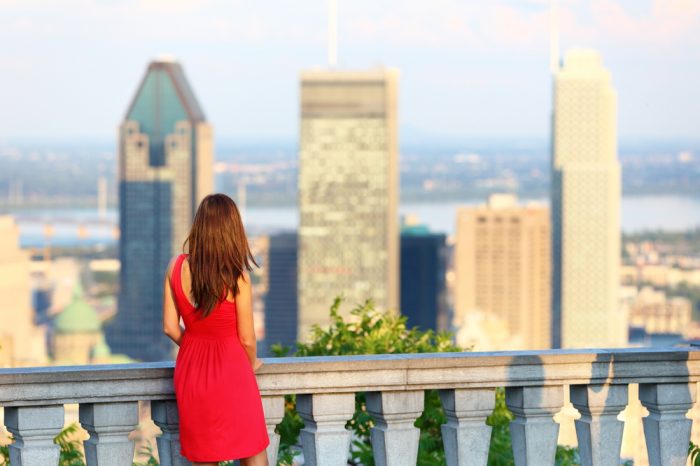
[(639, 213)]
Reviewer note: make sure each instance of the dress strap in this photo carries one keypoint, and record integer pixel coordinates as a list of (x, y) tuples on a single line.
[(176, 277)]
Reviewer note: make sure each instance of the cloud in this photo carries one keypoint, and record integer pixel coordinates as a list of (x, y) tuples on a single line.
[(448, 23), (668, 22), (515, 27), (474, 24)]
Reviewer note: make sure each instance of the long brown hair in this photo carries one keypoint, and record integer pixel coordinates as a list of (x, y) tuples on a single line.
[(218, 251)]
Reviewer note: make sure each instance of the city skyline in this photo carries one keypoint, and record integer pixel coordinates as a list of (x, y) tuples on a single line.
[(535, 297), (482, 68)]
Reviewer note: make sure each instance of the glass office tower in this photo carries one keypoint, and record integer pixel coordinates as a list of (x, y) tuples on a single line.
[(165, 169)]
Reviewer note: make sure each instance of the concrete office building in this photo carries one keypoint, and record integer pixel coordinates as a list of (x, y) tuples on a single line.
[(348, 192), (502, 276)]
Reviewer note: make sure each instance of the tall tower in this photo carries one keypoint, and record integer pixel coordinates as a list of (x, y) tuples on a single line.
[(348, 191), (502, 276), (165, 169), (585, 206)]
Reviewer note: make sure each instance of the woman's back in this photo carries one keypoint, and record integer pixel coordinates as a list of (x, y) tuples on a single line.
[(220, 323), (218, 400)]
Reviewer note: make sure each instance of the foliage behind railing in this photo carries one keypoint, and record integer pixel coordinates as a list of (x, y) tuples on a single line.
[(368, 331)]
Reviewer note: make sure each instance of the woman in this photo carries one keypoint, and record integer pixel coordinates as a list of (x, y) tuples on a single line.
[(221, 415)]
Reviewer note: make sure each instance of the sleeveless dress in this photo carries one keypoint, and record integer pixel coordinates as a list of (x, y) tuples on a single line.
[(218, 401)]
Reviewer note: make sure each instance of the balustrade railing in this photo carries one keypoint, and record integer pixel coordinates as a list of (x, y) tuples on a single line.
[(33, 400)]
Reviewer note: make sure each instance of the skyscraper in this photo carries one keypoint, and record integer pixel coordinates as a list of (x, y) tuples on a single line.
[(281, 309), (22, 342), (502, 276), (423, 269), (348, 191), (585, 206), (165, 169)]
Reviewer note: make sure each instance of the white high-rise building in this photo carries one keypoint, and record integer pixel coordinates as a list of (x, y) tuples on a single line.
[(348, 192), (585, 206)]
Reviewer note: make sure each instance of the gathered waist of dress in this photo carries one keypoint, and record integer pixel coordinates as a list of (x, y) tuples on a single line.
[(207, 335)]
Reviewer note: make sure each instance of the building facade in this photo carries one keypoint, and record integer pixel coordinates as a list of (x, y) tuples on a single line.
[(281, 306), (502, 276), (585, 206), (348, 192), (22, 342), (423, 285), (165, 169)]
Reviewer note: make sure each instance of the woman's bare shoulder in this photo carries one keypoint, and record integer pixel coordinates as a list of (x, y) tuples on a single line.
[(171, 264), (244, 281)]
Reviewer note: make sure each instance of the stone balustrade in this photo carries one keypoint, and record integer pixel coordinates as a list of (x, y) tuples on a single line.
[(597, 380)]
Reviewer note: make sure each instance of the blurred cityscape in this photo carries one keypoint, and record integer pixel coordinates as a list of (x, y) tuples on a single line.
[(569, 240), (63, 201)]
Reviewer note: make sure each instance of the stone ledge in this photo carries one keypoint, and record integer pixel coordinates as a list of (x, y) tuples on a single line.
[(342, 374)]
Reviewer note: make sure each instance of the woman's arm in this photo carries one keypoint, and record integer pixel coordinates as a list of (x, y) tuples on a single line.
[(171, 317), (246, 328)]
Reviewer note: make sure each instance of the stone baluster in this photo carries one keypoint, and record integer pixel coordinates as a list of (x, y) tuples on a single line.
[(324, 438), (34, 428), (533, 430), (465, 435), (273, 407), (109, 425), (164, 414), (599, 432), (394, 437), (666, 428)]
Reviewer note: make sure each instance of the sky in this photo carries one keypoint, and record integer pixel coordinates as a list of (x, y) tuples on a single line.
[(469, 69)]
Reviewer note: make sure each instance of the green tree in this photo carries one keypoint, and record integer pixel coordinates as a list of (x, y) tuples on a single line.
[(370, 332)]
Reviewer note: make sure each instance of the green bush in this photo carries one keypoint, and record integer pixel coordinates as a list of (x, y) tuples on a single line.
[(368, 331), (70, 448), (694, 454)]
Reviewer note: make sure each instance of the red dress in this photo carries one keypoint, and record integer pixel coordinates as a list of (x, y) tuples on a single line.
[(218, 401)]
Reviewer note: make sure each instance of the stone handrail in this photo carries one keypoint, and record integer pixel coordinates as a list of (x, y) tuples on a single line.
[(33, 400)]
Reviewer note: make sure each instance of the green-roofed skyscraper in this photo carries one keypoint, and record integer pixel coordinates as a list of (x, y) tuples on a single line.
[(165, 169)]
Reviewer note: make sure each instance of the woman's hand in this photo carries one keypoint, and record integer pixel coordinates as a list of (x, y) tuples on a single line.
[(257, 364)]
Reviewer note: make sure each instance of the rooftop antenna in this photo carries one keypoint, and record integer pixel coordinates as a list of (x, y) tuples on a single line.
[(554, 36), (332, 33)]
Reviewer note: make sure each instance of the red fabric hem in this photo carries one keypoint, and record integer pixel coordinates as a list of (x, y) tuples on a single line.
[(226, 457)]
